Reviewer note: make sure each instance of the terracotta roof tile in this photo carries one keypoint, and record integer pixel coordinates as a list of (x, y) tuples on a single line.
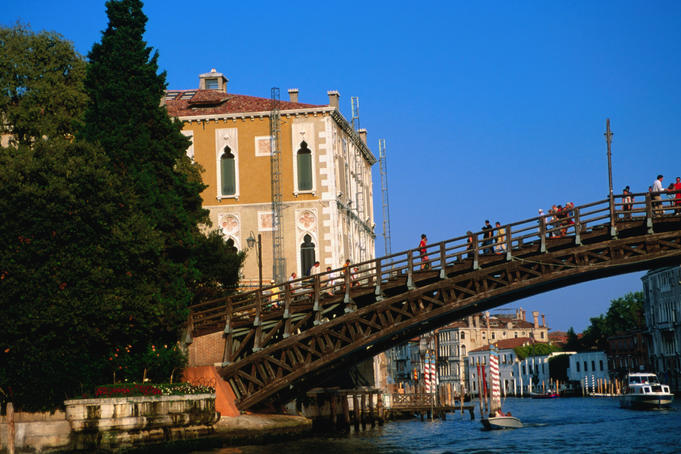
[(210, 102)]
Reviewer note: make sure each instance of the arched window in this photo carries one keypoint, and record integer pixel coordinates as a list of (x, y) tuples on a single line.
[(307, 255), (228, 172), (304, 158)]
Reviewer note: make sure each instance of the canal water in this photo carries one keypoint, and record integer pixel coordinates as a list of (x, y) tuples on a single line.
[(566, 425)]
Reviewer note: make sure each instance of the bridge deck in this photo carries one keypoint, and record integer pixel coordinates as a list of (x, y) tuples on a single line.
[(324, 319)]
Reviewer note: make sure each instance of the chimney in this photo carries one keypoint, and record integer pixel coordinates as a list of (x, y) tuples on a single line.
[(213, 81), (293, 94), (334, 97), (477, 320), (535, 316), (470, 321), (543, 321), (362, 135)]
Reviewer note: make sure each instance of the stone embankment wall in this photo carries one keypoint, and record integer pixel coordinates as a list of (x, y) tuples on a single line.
[(112, 423)]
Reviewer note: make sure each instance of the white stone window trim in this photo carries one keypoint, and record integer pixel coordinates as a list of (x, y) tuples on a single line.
[(267, 139), (227, 137), (297, 141), (190, 149)]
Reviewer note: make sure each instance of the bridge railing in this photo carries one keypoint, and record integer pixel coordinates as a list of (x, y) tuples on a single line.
[(293, 299)]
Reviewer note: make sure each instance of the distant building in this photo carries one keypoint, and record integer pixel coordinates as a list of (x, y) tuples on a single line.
[(508, 361), (324, 175), (628, 352), (403, 363), (559, 338), (662, 291), (457, 339), (591, 366)]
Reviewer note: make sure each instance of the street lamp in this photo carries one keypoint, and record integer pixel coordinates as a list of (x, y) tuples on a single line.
[(258, 249)]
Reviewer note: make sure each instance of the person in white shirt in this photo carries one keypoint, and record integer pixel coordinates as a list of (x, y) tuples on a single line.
[(657, 194)]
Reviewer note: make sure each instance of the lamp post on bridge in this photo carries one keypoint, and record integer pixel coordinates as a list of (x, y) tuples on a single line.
[(251, 242), (611, 200)]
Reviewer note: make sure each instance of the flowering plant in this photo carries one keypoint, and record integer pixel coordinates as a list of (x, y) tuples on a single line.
[(141, 389)]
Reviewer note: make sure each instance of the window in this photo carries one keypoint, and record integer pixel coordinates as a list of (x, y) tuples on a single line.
[(577, 364), (228, 172), (211, 84), (593, 365), (307, 255), (463, 335), (586, 369), (601, 364), (515, 334), (542, 334), (304, 158), (524, 373)]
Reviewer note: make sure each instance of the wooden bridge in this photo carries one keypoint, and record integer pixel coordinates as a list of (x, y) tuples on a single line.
[(284, 340)]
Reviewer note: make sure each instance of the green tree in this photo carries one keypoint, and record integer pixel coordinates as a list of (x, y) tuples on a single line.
[(41, 84), (147, 149), (573, 342), (540, 349), (218, 263), (624, 314), (77, 272), (558, 366)]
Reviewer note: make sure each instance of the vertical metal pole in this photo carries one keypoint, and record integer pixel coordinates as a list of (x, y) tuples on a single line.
[(608, 140), (260, 262)]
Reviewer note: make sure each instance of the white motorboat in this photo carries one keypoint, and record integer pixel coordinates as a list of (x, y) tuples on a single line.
[(643, 391), (505, 421), (497, 419)]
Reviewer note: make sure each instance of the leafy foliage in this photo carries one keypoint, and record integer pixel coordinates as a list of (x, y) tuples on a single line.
[(41, 84), (218, 263), (625, 314), (139, 389), (100, 245), (538, 349), (558, 366), (77, 272)]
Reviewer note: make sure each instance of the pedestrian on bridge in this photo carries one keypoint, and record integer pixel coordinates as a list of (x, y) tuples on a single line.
[(425, 260), (677, 196), (627, 202), (657, 194), (469, 244), (500, 247), (487, 235)]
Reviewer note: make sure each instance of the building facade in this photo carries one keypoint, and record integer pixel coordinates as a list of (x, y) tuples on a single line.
[(628, 352), (457, 339), (324, 182), (478, 359), (662, 291), (588, 367)]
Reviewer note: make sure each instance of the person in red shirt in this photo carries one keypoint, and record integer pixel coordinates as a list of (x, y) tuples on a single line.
[(677, 196), (422, 251)]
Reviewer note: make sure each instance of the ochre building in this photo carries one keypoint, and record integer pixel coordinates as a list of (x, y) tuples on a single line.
[(325, 175)]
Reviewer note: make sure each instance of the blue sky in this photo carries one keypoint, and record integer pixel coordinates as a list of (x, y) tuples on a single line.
[(490, 110)]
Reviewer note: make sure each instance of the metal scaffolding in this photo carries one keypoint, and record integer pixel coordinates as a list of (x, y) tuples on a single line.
[(278, 259), (354, 100), (384, 192)]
